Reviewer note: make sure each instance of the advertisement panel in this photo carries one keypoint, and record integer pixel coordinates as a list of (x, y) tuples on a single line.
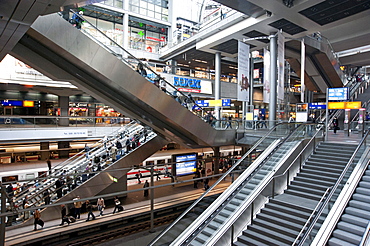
[(281, 65), (266, 76), (243, 72), (185, 164)]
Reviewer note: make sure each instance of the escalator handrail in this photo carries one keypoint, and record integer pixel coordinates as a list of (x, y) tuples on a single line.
[(132, 56), (335, 186), (217, 182)]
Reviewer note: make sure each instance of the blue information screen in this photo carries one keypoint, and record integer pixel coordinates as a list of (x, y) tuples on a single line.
[(338, 93), (185, 163)]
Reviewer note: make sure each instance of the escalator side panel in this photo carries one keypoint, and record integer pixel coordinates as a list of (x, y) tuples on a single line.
[(99, 73)]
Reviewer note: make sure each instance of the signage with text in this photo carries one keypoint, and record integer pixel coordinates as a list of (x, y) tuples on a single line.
[(338, 93)]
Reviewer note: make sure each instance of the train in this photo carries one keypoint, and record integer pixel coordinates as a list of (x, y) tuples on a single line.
[(161, 160)]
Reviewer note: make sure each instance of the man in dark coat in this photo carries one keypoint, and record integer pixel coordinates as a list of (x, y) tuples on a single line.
[(58, 186), (64, 215)]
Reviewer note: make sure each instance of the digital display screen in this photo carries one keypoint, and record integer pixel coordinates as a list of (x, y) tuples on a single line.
[(185, 163), (338, 93)]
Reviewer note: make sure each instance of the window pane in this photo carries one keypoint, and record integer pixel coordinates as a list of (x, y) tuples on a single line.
[(142, 11), (134, 2), (150, 13), (150, 6), (158, 15), (134, 9), (143, 4), (164, 17)]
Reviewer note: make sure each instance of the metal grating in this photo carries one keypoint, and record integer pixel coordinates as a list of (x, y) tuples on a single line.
[(330, 11), (255, 34), (287, 26)]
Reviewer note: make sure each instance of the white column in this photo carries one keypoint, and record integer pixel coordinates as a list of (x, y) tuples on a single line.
[(217, 82)]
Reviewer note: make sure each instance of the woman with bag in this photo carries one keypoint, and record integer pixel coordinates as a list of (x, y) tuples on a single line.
[(117, 204), (38, 220)]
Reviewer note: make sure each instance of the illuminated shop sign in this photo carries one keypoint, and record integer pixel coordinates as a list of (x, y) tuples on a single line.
[(187, 83)]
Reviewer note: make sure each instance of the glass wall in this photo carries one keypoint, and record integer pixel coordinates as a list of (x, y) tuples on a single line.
[(111, 29), (157, 9), (147, 36)]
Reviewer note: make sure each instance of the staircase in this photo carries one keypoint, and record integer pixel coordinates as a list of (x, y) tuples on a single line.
[(281, 220), (354, 220)]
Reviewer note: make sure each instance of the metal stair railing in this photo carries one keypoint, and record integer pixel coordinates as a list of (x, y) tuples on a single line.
[(307, 232), (174, 93)]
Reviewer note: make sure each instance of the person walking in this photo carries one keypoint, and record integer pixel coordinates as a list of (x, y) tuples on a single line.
[(101, 206), (89, 208), (49, 165), (64, 215), (117, 204), (146, 185), (138, 176), (78, 205), (37, 220)]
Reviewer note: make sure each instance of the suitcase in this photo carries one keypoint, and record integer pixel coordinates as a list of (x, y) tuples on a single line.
[(120, 208)]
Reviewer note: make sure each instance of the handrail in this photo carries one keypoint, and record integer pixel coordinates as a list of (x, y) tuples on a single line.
[(312, 214), (335, 186), (366, 235), (132, 56)]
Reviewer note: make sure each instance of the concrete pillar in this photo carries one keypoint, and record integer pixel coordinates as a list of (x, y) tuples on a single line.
[(63, 102), (173, 64), (63, 145), (217, 82), (44, 154), (273, 83)]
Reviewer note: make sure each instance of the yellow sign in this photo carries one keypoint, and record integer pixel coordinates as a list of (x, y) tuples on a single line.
[(344, 105), (214, 103), (28, 104)]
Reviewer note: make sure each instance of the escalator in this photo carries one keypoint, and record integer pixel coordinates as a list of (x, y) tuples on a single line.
[(205, 227), (60, 51), (322, 67), (109, 177)]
